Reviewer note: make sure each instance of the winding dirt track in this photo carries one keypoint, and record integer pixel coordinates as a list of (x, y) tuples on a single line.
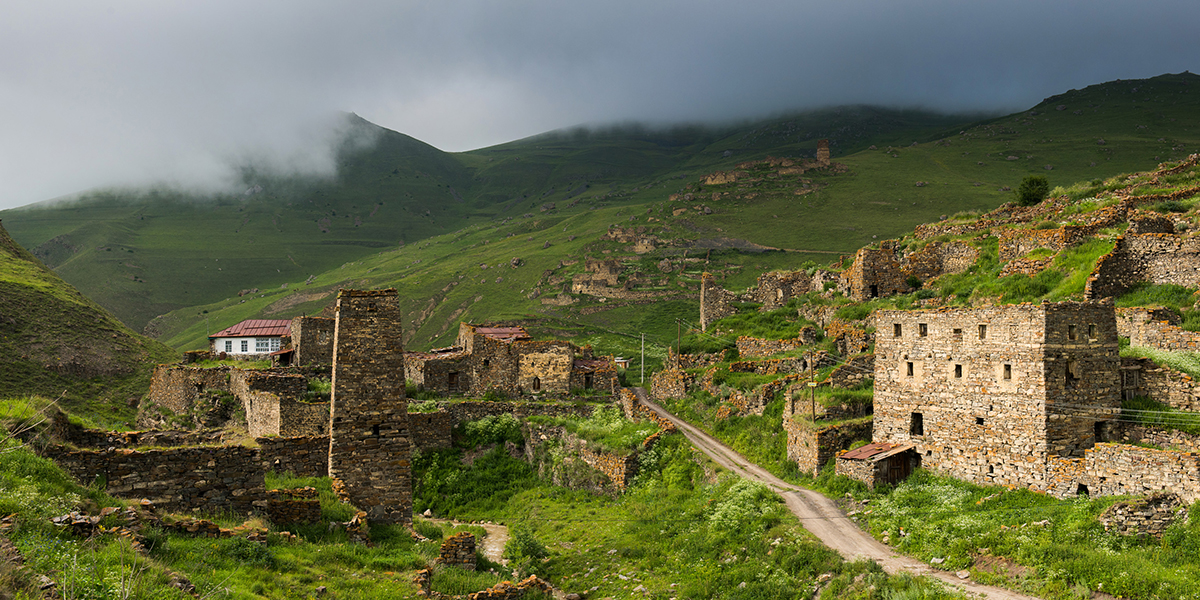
[(822, 517)]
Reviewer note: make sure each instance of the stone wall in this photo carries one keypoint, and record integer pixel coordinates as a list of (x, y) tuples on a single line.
[(458, 551), (854, 372), (1131, 318), (288, 507), (312, 340), (461, 412), (939, 258), (990, 394), (369, 450), (1120, 470), (431, 431), (182, 390), (751, 347), (618, 469), (304, 456), (776, 288), (263, 395), (1017, 242), (1146, 516), (1151, 257), (692, 361), (670, 383), (812, 446), (1146, 331), (1166, 439), (851, 338), (176, 479), (1144, 377), (715, 301)]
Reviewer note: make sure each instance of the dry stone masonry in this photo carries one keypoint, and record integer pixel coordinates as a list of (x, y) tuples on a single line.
[(369, 446)]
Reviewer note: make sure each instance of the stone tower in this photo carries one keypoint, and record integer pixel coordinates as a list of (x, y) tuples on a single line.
[(369, 445), (823, 152)]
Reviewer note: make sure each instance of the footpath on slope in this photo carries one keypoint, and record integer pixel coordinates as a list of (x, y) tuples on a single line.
[(822, 516)]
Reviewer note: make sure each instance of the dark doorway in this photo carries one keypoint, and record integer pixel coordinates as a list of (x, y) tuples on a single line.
[(452, 381)]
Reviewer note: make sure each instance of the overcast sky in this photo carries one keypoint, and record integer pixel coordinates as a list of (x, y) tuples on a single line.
[(96, 92)]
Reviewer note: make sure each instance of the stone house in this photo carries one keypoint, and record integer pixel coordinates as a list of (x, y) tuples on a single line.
[(506, 359), (992, 394), (1016, 395)]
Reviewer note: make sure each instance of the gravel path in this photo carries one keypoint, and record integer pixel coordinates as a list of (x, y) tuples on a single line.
[(823, 517)]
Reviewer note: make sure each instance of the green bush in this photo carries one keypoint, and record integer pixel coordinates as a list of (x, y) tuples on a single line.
[(1033, 189)]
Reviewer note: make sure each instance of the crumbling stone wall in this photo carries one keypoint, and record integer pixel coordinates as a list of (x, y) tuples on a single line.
[(458, 551), (1015, 243), (1145, 330), (288, 507), (669, 383), (692, 361), (939, 258), (1144, 377), (854, 372), (823, 152), (262, 393), (1146, 516), (776, 288), (850, 338), (179, 390), (990, 394), (1166, 439), (875, 273), (177, 479), (715, 301), (312, 340), (1151, 257), (369, 446), (1119, 470), (544, 367), (302, 456), (752, 347), (618, 469), (1131, 318), (812, 446)]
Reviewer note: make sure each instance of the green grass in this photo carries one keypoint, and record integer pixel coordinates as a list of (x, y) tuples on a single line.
[(605, 430), (1186, 362), (1145, 411)]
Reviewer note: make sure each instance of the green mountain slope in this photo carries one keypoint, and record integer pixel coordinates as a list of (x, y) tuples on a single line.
[(56, 342), (160, 253)]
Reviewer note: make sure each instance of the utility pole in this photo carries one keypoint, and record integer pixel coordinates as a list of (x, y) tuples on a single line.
[(643, 359)]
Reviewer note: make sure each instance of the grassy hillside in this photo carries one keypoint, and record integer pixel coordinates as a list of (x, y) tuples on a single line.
[(164, 254), (56, 342)]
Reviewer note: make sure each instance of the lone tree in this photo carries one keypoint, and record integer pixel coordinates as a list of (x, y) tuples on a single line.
[(1033, 189)]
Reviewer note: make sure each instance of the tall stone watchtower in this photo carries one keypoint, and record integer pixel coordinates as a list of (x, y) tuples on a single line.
[(823, 152), (369, 445)]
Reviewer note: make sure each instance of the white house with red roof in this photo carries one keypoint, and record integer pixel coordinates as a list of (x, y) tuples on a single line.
[(253, 336)]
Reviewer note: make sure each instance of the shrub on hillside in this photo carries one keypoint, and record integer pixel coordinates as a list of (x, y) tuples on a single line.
[(1033, 189)]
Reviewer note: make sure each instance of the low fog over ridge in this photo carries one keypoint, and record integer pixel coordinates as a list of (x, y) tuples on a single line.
[(135, 94)]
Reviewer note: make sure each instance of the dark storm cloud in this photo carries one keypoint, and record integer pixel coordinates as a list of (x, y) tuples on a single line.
[(133, 92)]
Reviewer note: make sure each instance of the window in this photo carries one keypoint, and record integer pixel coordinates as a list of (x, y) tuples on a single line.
[(958, 371), (1072, 374), (229, 345), (910, 369), (1092, 332), (979, 420), (1071, 332), (1098, 431), (375, 430), (991, 469), (245, 345), (1007, 372), (922, 329), (896, 330), (916, 425), (537, 384), (262, 345), (275, 344), (983, 332), (486, 362), (957, 334)]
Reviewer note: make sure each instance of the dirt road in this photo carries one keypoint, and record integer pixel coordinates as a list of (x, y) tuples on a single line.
[(822, 517)]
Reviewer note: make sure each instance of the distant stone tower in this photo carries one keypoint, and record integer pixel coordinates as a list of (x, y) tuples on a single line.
[(369, 445), (823, 152)]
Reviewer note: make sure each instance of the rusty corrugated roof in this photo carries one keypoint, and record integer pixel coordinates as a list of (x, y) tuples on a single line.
[(506, 334), (876, 451), (257, 328)]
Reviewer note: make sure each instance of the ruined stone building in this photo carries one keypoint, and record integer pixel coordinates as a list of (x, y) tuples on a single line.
[(1019, 395), (508, 361)]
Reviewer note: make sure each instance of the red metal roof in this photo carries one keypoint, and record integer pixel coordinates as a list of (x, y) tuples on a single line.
[(506, 334), (257, 328), (876, 451)]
